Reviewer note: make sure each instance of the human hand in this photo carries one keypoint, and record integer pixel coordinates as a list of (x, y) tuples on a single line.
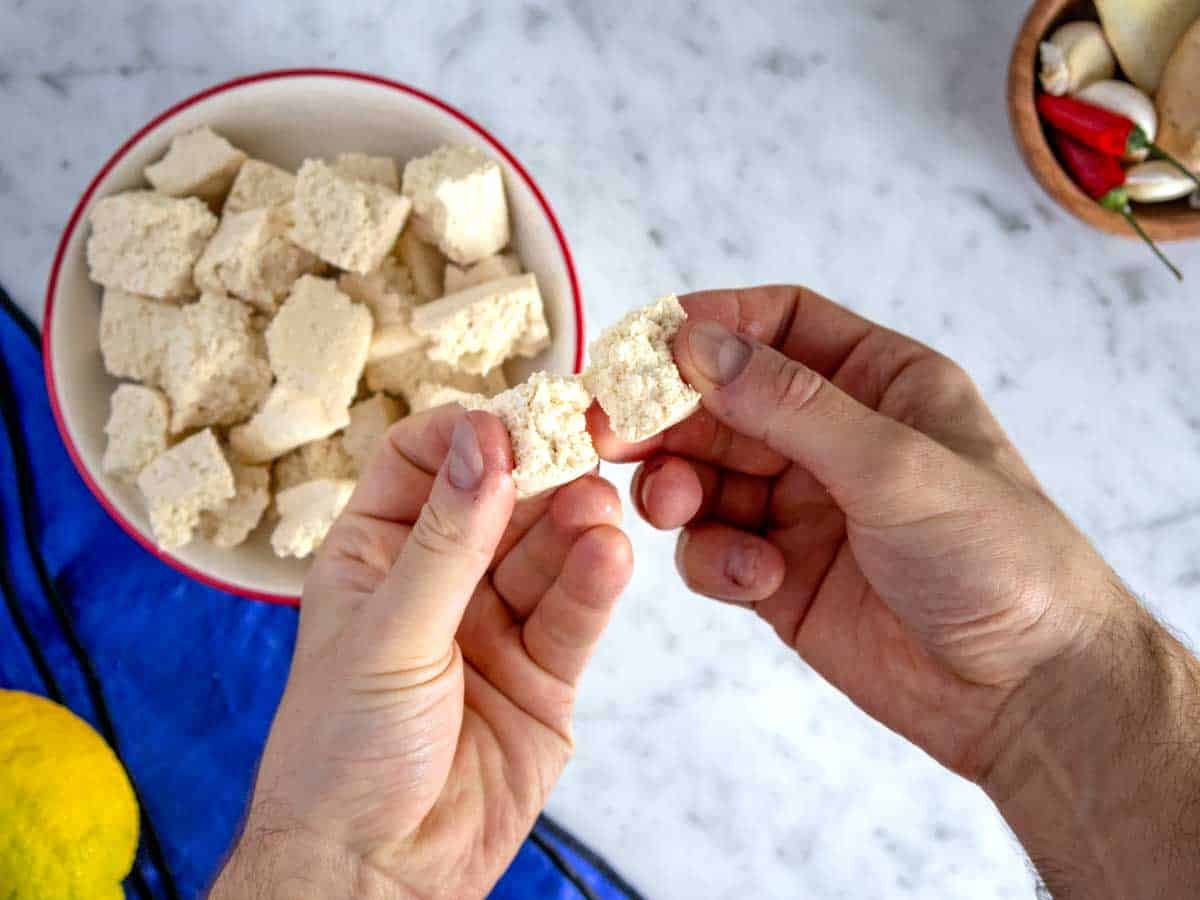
[(442, 634)]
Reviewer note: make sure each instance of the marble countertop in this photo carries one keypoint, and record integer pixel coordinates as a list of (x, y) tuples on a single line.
[(856, 147)]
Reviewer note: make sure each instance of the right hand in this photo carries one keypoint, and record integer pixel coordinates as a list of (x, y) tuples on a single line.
[(851, 487)]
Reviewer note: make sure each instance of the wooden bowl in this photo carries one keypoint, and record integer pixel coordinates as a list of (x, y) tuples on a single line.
[(1163, 221)]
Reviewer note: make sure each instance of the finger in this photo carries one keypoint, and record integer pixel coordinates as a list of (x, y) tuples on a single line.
[(672, 492), (412, 618), (729, 564), (534, 563), (563, 629)]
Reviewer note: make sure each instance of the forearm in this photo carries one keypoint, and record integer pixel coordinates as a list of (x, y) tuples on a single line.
[(1100, 772)]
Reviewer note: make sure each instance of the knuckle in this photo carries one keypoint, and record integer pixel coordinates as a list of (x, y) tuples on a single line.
[(795, 385), (439, 533)]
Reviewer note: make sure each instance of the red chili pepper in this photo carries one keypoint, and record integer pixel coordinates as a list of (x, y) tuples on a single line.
[(1102, 129), (1103, 179)]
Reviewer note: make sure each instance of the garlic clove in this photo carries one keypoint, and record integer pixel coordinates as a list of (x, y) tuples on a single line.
[(1125, 100), (1157, 181), (1075, 56)]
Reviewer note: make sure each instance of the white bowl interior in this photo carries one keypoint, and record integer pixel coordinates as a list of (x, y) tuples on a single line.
[(282, 120)]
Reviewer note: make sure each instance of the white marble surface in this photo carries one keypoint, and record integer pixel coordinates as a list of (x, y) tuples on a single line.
[(860, 147)]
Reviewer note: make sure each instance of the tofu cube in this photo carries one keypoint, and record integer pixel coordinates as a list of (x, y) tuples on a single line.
[(388, 294), (478, 329), (428, 396), (286, 420), (369, 421), (259, 184), (372, 169), (136, 429), (251, 257), (349, 223), (134, 334), (199, 163), (424, 261), (502, 265), (229, 523), (146, 243), (633, 374), (409, 366), (306, 513), (188, 479), (458, 202), (325, 458), (214, 373)]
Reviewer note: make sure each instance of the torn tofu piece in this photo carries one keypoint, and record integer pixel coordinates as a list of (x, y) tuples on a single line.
[(633, 374), (478, 329), (215, 373), (286, 420), (306, 513), (259, 184), (134, 334), (373, 169), (349, 223), (190, 478), (199, 163), (388, 294), (502, 265), (251, 257), (424, 261), (458, 202), (325, 458), (146, 243), (409, 366), (369, 420), (136, 429), (230, 523), (546, 423), (428, 396)]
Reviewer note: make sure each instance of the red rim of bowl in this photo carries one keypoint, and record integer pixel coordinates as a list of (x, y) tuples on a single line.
[(77, 214)]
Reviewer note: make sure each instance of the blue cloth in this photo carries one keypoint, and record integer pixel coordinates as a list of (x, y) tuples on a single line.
[(182, 678)]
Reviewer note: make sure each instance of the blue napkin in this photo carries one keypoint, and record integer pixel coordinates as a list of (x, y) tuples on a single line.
[(180, 678)]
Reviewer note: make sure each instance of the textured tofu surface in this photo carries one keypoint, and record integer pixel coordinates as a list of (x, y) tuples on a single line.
[(502, 265), (430, 395), (349, 223), (306, 513), (199, 163), (458, 202), (424, 261), (186, 480), (369, 420), (230, 522), (633, 376), (477, 329), (388, 293), (373, 169), (136, 429), (146, 243), (409, 366), (259, 184), (286, 420), (134, 334), (325, 458)]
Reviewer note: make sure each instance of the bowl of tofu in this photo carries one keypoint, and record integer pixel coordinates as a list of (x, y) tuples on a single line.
[(265, 278)]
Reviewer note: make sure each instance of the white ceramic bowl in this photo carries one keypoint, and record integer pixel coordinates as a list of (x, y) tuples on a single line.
[(281, 117)]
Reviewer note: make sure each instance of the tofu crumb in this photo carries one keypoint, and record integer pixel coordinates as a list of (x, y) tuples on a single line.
[(286, 420), (199, 163), (458, 202), (136, 429), (325, 458), (429, 396), (349, 223), (134, 334), (633, 374), (214, 373), (306, 513), (424, 261), (181, 483), (372, 169), (146, 243), (478, 329), (502, 265), (369, 421), (259, 184), (409, 366), (230, 523)]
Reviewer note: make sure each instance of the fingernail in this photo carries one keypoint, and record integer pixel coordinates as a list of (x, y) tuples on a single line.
[(741, 566), (719, 354), (464, 467)]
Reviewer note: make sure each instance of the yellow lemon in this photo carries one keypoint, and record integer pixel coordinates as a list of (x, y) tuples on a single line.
[(68, 817)]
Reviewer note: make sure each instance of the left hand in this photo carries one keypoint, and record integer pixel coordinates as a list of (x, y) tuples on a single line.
[(427, 715)]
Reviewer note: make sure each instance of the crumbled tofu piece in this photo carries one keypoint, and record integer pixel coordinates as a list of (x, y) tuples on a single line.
[(318, 342), (231, 522), (429, 395), (325, 458), (134, 334), (349, 223), (188, 479), (478, 329), (502, 265), (369, 420), (373, 169), (407, 368), (306, 513), (214, 373), (136, 429), (458, 202), (388, 294), (200, 164), (424, 261), (546, 423), (633, 374), (286, 420), (146, 243), (259, 184), (251, 257)]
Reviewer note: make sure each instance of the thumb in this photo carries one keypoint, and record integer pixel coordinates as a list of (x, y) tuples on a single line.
[(413, 616), (880, 471)]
